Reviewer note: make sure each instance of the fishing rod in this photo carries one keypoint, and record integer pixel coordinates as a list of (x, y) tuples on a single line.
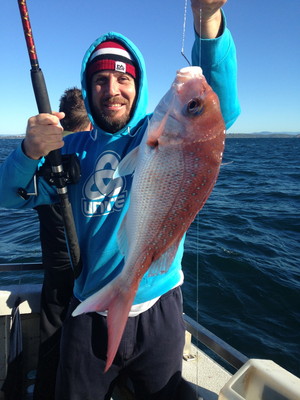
[(59, 177)]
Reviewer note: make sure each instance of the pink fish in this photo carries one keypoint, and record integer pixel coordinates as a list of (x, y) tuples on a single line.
[(175, 169)]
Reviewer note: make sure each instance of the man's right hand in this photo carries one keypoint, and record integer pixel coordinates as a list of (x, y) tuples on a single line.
[(43, 134)]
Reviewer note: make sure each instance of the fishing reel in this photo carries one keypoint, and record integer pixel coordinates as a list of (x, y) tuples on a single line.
[(69, 175)]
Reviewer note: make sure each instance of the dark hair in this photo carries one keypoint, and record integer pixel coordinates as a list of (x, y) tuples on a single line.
[(72, 104)]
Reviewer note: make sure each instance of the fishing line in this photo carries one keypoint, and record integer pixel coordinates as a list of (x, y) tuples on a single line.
[(200, 34), (198, 223), (198, 235), (183, 32), (197, 300), (197, 218)]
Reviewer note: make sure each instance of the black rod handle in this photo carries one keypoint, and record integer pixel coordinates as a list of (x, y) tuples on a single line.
[(43, 104)]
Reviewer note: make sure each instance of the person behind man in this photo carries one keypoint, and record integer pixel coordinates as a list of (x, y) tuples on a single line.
[(58, 275), (152, 343), (76, 118)]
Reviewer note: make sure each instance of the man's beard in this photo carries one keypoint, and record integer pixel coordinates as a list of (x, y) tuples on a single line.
[(110, 124)]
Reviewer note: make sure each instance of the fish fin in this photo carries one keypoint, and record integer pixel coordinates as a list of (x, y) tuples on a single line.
[(122, 238), (127, 165), (226, 163), (155, 130), (99, 301), (162, 264), (118, 303)]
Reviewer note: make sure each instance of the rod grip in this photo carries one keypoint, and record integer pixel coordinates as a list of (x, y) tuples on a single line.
[(40, 91), (43, 104)]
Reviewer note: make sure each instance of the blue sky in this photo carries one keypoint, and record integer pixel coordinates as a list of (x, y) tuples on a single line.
[(266, 34)]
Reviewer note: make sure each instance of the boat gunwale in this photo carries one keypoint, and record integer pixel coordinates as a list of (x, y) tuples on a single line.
[(199, 332)]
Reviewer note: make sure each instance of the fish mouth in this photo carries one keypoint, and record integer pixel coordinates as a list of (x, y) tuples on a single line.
[(187, 73), (191, 71)]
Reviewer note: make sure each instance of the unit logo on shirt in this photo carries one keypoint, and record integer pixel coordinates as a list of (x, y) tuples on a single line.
[(102, 194)]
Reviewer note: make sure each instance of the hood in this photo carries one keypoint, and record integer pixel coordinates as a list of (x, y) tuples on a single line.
[(142, 93)]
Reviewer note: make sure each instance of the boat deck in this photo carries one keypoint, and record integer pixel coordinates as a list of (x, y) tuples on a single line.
[(206, 375)]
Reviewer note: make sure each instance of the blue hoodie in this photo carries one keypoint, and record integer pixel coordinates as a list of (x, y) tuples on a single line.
[(99, 203)]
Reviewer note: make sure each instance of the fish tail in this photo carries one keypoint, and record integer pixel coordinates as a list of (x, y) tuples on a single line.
[(117, 316), (118, 303)]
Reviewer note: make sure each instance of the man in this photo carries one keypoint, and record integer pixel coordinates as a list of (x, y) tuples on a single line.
[(151, 347), (58, 276)]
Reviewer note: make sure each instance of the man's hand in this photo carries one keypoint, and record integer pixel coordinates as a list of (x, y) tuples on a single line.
[(210, 15), (43, 134)]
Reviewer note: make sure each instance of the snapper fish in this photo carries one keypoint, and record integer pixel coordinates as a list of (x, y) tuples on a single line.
[(175, 169)]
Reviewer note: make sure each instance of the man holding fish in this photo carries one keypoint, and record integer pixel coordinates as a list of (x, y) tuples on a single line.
[(143, 180)]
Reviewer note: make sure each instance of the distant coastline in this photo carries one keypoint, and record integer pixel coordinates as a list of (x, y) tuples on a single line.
[(264, 134), (12, 136)]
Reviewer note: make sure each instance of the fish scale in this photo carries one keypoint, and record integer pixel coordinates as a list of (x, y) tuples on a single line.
[(175, 169)]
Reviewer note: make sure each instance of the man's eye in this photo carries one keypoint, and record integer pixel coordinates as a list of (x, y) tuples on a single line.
[(124, 78), (100, 81)]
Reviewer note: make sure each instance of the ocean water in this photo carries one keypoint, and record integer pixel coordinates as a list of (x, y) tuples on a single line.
[(242, 253)]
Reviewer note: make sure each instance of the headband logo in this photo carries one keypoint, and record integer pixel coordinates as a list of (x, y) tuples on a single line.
[(120, 66)]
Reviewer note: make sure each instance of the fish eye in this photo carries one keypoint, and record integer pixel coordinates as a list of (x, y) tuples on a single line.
[(194, 107)]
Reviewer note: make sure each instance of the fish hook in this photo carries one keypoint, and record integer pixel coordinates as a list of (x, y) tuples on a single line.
[(184, 31)]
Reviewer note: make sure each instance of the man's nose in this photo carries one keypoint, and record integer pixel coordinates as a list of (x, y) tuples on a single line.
[(113, 86)]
